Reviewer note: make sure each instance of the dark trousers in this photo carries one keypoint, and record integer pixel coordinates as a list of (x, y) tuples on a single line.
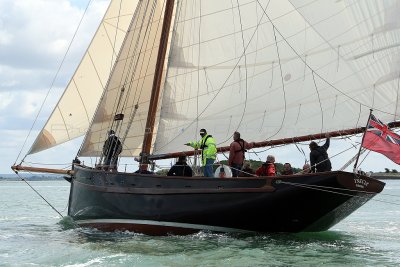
[(236, 168)]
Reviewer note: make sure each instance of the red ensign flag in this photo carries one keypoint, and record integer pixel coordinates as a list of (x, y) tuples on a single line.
[(380, 139)]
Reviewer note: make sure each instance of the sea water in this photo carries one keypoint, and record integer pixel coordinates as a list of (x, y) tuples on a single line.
[(33, 234)]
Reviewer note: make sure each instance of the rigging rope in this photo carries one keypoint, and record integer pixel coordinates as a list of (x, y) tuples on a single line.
[(325, 189), (302, 152), (48, 203), (282, 82), (347, 164), (369, 151), (320, 102)]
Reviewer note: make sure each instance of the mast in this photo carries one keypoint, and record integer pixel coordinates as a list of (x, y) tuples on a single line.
[(283, 141), (155, 92)]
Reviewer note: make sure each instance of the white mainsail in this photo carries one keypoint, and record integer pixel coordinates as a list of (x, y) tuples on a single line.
[(278, 69), (72, 115)]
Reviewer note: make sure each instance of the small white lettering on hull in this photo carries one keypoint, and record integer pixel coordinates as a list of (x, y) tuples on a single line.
[(361, 183)]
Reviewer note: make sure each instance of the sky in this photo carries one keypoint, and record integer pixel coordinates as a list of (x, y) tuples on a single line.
[(34, 37)]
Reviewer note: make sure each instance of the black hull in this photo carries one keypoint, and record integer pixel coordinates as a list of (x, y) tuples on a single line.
[(159, 205)]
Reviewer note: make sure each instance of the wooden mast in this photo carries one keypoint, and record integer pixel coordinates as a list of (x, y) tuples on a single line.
[(284, 141), (155, 93)]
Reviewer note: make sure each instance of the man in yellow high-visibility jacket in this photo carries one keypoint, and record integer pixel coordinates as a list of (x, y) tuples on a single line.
[(208, 152)]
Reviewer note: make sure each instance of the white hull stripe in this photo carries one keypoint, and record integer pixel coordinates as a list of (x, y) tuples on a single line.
[(160, 223)]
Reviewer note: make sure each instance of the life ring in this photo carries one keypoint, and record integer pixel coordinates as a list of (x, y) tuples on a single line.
[(223, 171)]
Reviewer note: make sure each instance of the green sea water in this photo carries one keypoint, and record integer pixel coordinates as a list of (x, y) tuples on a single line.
[(32, 234)]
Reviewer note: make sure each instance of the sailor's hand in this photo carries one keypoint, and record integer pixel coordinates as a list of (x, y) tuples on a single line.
[(327, 135)]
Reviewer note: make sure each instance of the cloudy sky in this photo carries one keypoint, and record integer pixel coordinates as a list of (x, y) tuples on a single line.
[(34, 37)]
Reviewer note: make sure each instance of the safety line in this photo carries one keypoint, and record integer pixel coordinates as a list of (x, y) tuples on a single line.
[(48, 203), (316, 187)]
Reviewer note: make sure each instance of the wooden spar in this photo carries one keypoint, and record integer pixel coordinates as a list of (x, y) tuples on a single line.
[(17, 168), (155, 93), (277, 142)]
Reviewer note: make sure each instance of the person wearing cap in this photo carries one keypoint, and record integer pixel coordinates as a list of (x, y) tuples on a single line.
[(267, 168), (208, 151), (181, 168), (236, 153), (111, 149), (319, 158)]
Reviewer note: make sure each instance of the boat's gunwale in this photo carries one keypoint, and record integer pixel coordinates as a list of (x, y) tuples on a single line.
[(200, 178), (268, 186)]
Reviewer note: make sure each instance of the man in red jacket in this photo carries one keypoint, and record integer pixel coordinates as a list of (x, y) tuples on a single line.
[(236, 153)]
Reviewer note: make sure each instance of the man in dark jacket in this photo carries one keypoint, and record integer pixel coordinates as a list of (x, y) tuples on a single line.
[(111, 149), (181, 168), (319, 157)]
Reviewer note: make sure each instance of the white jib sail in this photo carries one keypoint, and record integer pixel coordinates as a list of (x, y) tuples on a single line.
[(74, 111), (130, 84)]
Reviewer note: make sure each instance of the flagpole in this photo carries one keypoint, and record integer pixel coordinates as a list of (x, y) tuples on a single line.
[(362, 141)]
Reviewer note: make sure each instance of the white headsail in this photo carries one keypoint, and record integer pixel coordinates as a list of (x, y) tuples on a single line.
[(130, 84), (72, 115)]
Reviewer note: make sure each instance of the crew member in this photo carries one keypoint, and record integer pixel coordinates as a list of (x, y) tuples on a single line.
[(111, 149), (267, 168), (181, 168), (236, 153), (208, 152), (319, 158)]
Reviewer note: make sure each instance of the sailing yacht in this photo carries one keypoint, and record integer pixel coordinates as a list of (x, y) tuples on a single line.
[(277, 71)]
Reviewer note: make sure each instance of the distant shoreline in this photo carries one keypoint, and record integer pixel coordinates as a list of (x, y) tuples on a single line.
[(32, 178), (382, 177)]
